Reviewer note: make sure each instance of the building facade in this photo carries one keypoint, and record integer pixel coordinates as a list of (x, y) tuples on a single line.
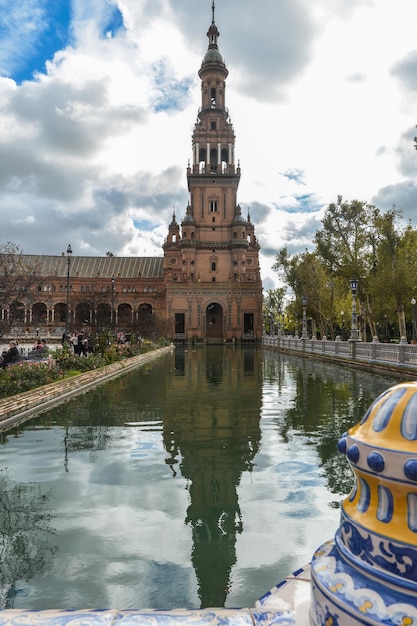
[(206, 286)]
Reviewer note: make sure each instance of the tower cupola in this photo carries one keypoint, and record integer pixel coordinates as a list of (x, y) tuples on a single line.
[(213, 58)]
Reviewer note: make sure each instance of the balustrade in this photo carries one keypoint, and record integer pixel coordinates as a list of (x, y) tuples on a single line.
[(400, 354)]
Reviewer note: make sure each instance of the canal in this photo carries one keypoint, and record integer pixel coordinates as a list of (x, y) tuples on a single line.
[(201, 479)]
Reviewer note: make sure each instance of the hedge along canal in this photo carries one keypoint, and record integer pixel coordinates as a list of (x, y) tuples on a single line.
[(23, 406)]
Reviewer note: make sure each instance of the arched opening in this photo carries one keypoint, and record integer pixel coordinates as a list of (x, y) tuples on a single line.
[(17, 312), (146, 321), (202, 157), (104, 314), (59, 312), (214, 321), (82, 315), (124, 315), (213, 159), (39, 313)]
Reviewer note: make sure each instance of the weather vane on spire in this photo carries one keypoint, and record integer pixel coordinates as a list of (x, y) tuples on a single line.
[(212, 9)]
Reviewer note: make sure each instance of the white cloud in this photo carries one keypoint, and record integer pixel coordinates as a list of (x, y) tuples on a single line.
[(322, 98)]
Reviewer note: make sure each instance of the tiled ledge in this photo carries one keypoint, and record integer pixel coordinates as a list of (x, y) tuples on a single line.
[(287, 604), (180, 617), (23, 406)]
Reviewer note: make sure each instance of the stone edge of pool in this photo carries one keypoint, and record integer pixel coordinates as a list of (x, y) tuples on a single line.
[(18, 409), (287, 603)]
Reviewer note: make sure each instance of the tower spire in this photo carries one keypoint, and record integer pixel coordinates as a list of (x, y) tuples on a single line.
[(213, 33)]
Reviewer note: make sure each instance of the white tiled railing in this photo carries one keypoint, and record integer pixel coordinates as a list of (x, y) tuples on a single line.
[(402, 355)]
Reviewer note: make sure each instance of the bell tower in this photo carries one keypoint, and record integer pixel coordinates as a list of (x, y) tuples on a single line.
[(214, 289)]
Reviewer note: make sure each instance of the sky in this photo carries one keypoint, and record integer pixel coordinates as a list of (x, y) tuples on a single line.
[(98, 102)]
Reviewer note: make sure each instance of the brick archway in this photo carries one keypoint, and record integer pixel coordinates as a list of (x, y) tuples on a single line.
[(214, 321)]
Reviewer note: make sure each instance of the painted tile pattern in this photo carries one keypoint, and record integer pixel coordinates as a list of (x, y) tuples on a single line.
[(203, 617)]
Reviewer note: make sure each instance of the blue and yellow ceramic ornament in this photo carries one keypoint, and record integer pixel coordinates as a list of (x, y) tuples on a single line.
[(368, 574)]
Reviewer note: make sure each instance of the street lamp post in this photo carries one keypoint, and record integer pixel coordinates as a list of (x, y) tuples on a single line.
[(279, 322), (296, 325), (112, 303), (413, 330), (354, 335), (69, 252), (342, 314), (304, 333), (385, 331)]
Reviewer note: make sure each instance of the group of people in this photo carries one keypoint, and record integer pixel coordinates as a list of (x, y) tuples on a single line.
[(123, 337), (81, 343), (12, 355), (40, 345), (15, 355)]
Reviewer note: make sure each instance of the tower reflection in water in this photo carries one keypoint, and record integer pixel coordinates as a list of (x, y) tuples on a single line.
[(214, 437), (163, 494)]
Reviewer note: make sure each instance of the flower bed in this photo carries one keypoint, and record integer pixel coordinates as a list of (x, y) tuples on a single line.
[(27, 375)]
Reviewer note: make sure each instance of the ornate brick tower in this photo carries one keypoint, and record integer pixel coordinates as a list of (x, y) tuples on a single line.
[(211, 262)]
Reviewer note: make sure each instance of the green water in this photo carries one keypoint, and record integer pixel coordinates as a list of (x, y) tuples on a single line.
[(201, 479)]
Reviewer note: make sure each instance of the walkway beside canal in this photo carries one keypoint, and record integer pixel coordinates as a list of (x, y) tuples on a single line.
[(23, 406), (396, 358)]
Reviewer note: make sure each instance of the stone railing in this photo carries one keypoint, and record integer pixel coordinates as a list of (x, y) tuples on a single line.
[(400, 356)]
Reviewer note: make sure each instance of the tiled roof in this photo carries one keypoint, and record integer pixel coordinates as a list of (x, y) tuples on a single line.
[(93, 267)]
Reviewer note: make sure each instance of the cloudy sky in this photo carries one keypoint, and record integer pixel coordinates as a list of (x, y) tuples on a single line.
[(98, 101)]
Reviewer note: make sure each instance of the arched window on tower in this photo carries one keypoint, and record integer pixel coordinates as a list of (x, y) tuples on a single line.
[(213, 159), (202, 160), (202, 154), (225, 159), (213, 97), (213, 266)]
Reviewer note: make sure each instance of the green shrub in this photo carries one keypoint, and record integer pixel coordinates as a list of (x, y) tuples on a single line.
[(147, 346), (117, 352), (67, 360), (25, 376)]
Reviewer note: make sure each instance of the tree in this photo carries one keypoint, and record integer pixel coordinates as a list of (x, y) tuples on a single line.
[(25, 527), (397, 265), (306, 277), (356, 240), (273, 303), (18, 280), (344, 241), (346, 246)]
